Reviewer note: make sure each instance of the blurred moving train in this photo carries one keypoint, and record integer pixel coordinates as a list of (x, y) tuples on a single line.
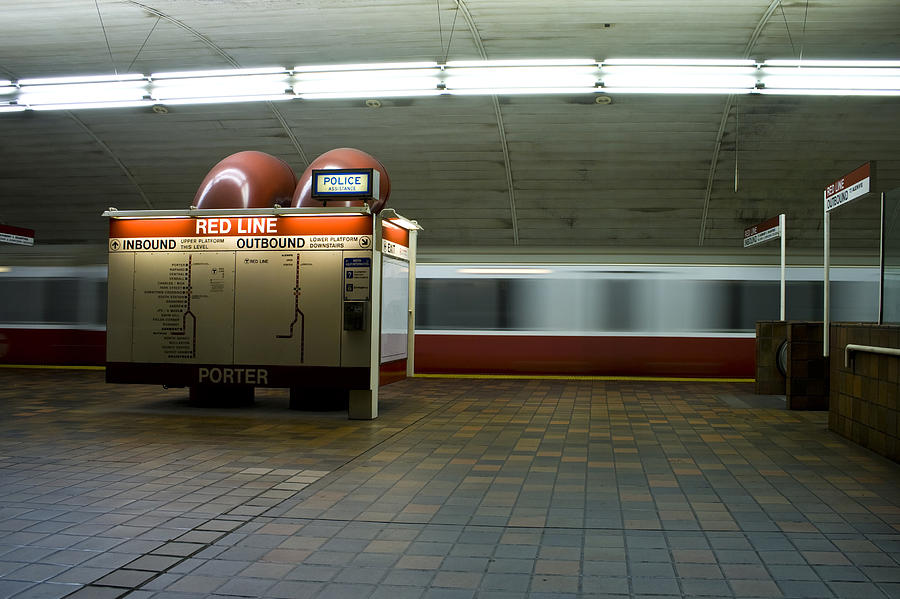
[(568, 319)]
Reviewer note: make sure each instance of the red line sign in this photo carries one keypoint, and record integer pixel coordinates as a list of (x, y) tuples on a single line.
[(764, 231), (16, 235), (849, 187)]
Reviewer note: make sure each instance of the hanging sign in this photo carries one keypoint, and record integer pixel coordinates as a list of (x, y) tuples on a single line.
[(16, 235), (764, 231), (849, 187)]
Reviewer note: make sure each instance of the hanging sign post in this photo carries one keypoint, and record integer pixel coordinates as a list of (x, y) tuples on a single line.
[(846, 189), (764, 231)]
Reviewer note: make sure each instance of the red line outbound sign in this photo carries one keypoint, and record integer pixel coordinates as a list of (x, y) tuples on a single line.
[(16, 235), (764, 231), (849, 187)]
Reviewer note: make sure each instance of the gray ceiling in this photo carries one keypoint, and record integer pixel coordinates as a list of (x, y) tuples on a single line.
[(517, 173)]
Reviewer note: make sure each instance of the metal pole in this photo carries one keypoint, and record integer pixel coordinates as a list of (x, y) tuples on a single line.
[(411, 318), (781, 220), (827, 265), (881, 265)]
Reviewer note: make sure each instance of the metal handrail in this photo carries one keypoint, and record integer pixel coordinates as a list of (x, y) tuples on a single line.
[(869, 349)]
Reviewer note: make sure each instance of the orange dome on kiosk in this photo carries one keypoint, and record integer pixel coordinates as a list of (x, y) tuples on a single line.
[(342, 158), (247, 179)]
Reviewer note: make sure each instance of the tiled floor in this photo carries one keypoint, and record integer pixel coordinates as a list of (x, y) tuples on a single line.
[(462, 488)]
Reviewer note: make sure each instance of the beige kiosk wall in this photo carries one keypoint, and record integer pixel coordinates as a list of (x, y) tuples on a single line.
[(183, 303), (119, 307), (287, 308)]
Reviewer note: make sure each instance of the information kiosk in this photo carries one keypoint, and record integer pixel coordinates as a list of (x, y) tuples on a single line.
[(303, 298)]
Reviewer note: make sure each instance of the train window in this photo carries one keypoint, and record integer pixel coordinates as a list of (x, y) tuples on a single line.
[(22, 300), (751, 301), (61, 300), (554, 304), (98, 303), (804, 300), (462, 304)]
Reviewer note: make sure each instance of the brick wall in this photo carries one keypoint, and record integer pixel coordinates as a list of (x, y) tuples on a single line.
[(865, 398), (805, 383), (769, 336), (807, 371)]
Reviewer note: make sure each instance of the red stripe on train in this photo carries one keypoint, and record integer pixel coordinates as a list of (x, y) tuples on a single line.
[(469, 354), (622, 356), (72, 347)]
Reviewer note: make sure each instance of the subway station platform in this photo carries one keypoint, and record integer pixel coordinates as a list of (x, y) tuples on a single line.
[(462, 488)]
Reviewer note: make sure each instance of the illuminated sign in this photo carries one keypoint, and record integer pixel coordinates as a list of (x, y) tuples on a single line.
[(343, 184)]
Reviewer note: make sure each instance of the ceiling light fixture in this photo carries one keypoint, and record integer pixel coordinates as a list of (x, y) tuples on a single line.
[(520, 91), (224, 99), (843, 78), (462, 77), (457, 79), (218, 73), (366, 82), (835, 64), (87, 79), (80, 105), (679, 77), (211, 87), (676, 62), (550, 62), (372, 66)]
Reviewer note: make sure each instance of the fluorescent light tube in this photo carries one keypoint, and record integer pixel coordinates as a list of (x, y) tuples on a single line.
[(225, 99), (218, 73), (834, 82), (88, 79), (11, 108), (200, 87), (549, 62), (521, 91), (80, 105), (796, 91), (366, 81), (832, 63), (374, 66), (700, 62), (677, 90), (83, 92), (372, 93), (678, 76), (831, 78), (520, 77)]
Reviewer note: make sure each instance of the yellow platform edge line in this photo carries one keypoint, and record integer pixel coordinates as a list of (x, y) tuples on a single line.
[(563, 377), (52, 367), (538, 377)]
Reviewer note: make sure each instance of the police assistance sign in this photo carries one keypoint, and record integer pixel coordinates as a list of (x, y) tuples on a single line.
[(344, 183)]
